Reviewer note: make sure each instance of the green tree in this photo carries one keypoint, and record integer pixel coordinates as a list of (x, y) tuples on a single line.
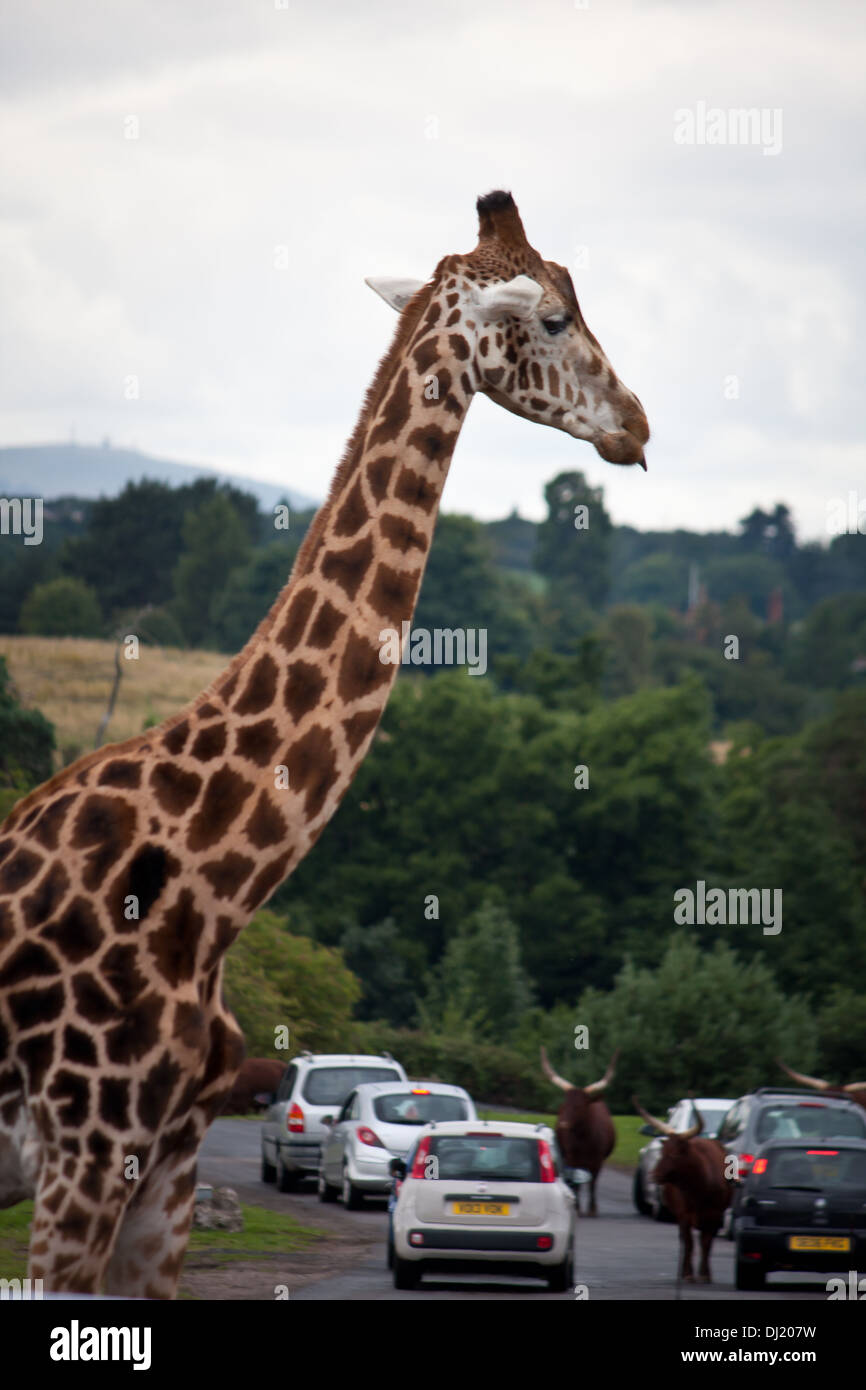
[(480, 988), (573, 545), (61, 608), (26, 742), (215, 540)]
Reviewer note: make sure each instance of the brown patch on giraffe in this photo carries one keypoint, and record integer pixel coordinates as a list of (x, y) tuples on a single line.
[(181, 1189), (138, 1030), (114, 1101), (353, 513), (453, 317), (227, 688), (175, 739), (432, 441), (264, 883), (209, 743), (553, 378), (443, 382), (379, 475), (47, 896), (266, 826), (188, 1027), (522, 377), (77, 934), (594, 367), (393, 592), (299, 610), (73, 1091), (466, 384), (175, 944), (156, 1090), (348, 567), (120, 772), (30, 961), (91, 1183), (261, 687), (359, 726), (537, 378), (108, 824), (7, 845), (402, 534), (426, 353), (537, 403), (416, 491), (35, 1056), (257, 742), (432, 316), (19, 870), (226, 933), (484, 345), (511, 354), (120, 971), (495, 375), (361, 671), (74, 1225), (207, 710), (222, 803), (226, 875), (328, 622), (79, 1047), (303, 689), (459, 346), (34, 1006), (395, 412), (91, 1000), (144, 879)]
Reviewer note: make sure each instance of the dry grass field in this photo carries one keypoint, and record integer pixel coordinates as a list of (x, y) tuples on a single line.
[(70, 678)]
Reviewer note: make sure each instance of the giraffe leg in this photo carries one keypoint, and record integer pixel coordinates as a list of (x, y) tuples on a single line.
[(78, 1208), (151, 1243)]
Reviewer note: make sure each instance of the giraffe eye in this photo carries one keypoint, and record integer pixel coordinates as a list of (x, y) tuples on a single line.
[(557, 323)]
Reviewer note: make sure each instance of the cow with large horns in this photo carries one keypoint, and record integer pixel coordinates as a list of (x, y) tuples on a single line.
[(855, 1089), (584, 1128), (691, 1174)]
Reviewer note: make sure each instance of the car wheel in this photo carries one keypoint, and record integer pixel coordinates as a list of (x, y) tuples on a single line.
[(406, 1274), (747, 1277), (639, 1195), (561, 1277), (352, 1199), (658, 1210), (269, 1172), (327, 1193), (287, 1179), (390, 1255)]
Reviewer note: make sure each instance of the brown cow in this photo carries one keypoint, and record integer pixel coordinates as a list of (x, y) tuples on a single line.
[(257, 1074), (691, 1174), (584, 1128), (855, 1089)]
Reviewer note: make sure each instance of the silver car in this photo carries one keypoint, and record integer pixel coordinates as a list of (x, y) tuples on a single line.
[(380, 1121), (646, 1193), (314, 1087)]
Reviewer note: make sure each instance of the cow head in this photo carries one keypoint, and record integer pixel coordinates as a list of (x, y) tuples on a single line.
[(855, 1089)]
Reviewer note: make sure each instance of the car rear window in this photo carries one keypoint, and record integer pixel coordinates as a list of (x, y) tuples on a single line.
[(404, 1108), (809, 1120), (331, 1085), (487, 1158), (816, 1168)]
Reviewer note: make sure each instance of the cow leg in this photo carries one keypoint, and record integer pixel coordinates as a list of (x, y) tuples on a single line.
[(704, 1276), (593, 1209), (686, 1250)]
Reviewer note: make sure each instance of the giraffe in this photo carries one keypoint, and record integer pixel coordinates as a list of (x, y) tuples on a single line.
[(126, 877)]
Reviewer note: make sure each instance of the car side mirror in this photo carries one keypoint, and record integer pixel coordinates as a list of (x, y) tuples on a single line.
[(327, 1119), (649, 1130), (397, 1168)]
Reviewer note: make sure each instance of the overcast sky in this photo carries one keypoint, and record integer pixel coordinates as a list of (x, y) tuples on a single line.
[(724, 283)]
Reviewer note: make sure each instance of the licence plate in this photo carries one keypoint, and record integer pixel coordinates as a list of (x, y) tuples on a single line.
[(480, 1209), (819, 1243)]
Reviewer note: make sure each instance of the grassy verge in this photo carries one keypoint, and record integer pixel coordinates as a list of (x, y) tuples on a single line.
[(628, 1140), (265, 1233)]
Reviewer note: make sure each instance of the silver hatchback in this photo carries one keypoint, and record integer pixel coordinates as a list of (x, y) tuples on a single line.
[(378, 1122)]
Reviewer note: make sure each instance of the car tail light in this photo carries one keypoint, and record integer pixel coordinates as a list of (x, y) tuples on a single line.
[(367, 1136), (295, 1120), (744, 1164), (828, 1152), (545, 1159), (544, 1243), (759, 1166), (420, 1164), (420, 1091)]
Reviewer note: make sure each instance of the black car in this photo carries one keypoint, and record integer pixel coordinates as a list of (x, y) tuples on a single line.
[(778, 1113), (803, 1206)]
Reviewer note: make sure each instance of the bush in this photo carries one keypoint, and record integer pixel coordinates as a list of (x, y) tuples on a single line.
[(61, 608), (26, 741)]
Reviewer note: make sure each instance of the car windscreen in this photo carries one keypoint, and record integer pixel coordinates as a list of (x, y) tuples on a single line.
[(712, 1120), (485, 1158), (404, 1108), (809, 1120), (816, 1169), (331, 1085)]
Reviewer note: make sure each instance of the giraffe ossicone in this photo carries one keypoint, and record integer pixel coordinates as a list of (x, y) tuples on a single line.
[(115, 1044)]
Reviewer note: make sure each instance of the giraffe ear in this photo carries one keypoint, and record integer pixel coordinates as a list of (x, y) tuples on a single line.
[(394, 291), (518, 297)]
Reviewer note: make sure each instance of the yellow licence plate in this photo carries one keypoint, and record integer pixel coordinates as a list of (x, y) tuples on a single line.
[(480, 1208), (819, 1243)]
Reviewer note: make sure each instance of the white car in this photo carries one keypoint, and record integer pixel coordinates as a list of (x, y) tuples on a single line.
[(380, 1121), (646, 1193), (484, 1196)]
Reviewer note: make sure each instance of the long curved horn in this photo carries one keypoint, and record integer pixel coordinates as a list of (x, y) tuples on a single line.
[(691, 1133), (552, 1076), (811, 1081), (596, 1087), (854, 1087)]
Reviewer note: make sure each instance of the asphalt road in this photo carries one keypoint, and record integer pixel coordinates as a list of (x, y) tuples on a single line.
[(618, 1255)]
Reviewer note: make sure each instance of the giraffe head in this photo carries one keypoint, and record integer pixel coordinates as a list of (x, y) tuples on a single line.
[(531, 350)]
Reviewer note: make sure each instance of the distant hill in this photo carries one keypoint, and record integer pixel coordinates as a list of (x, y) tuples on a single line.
[(84, 470)]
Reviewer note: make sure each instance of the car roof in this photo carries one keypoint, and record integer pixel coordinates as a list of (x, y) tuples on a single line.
[(507, 1129), (344, 1059), (704, 1100), (408, 1088), (777, 1093)]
